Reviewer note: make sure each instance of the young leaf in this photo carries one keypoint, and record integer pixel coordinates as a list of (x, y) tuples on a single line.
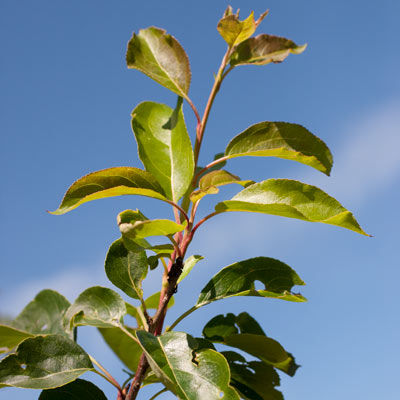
[(126, 349), (44, 314), (78, 389), (283, 140), (160, 57), (235, 31), (189, 373), (254, 380), (164, 146), (110, 182), (244, 333), (11, 337), (126, 269), (238, 280), (153, 301), (44, 362), (209, 182), (291, 199), (188, 266), (264, 49), (96, 306)]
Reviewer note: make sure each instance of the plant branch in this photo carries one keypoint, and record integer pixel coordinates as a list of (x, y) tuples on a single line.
[(207, 217), (106, 375), (158, 393), (196, 113), (137, 380), (180, 318), (178, 207), (208, 166)]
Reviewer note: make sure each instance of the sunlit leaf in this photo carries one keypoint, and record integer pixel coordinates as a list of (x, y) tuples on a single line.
[(292, 199), (190, 374), (283, 140), (126, 349), (254, 380), (188, 265), (164, 146), (44, 314), (78, 389), (126, 269), (264, 49), (44, 362), (161, 57), (110, 182), (239, 279), (11, 337), (96, 306)]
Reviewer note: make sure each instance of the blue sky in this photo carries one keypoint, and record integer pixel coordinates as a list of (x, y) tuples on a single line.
[(66, 98)]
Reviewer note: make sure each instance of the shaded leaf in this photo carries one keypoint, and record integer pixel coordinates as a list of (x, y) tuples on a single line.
[(126, 269), (11, 337), (44, 314), (44, 362), (126, 349), (239, 279), (244, 333), (164, 146), (292, 199), (264, 49), (190, 374), (96, 306), (283, 140), (78, 389), (110, 182), (153, 301), (254, 380), (188, 265), (161, 57)]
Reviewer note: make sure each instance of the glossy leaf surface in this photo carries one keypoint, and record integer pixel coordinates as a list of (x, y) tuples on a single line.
[(161, 57), (110, 182), (76, 390), (244, 333), (283, 140), (44, 362), (264, 49), (188, 265), (164, 146), (11, 337), (239, 279), (126, 349), (96, 306), (44, 314), (190, 374), (126, 269), (254, 380), (292, 199)]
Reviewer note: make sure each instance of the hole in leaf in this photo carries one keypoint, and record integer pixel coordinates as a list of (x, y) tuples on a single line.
[(259, 285), (194, 360), (221, 395), (43, 327), (23, 366)]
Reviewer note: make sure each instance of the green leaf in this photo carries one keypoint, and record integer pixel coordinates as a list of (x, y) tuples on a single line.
[(134, 230), (254, 380), (110, 182), (126, 349), (164, 146), (291, 199), (153, 301), (190, 374), (264, 49), (283, 140), (235, 31), (78, 389), (160, 57), (11, 337), (96, 306), (238, 280), (44, 314), (44, 362), (244, 333), (209, 182), (188, 265), (126, 269)]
